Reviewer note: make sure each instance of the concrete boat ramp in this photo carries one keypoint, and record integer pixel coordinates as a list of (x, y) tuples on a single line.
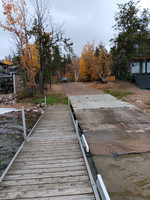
[(112, 126), (50, 165)]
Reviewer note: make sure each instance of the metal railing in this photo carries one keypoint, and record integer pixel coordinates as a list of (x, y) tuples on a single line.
[(25, 140), (99, 185)]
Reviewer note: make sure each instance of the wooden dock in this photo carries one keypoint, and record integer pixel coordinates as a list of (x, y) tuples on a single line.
[(50, 165)]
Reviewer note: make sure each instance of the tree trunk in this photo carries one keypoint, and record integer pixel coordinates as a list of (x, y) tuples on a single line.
[(41, 80)]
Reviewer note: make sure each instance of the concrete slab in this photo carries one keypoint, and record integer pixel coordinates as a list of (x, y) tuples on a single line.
[(97, 101), (111, 125)]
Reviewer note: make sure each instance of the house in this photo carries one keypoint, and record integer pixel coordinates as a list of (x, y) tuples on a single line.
[(140, 66), (3, 68), (6, 80)]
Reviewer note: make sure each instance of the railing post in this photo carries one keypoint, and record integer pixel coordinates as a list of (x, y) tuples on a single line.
[(45, 102), (77, 131), (68, 101), (24, 123)]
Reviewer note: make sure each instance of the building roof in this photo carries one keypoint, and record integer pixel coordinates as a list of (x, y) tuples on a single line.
[(2, 63)]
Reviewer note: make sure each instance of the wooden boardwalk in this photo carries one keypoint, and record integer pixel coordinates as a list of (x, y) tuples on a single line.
[(50, 164)]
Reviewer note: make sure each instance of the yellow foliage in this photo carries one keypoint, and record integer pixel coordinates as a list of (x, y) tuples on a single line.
[(86, 66), (7, 62), (31, 61), (94, 66)]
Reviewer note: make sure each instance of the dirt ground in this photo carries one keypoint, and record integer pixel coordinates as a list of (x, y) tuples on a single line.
[(138, 97), (74, 88)]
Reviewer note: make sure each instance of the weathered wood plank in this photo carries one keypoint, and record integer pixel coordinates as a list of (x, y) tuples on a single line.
[(44, 164), (50, 180), (70, 197), (53, 192), (49, 157), (51, 146), (50, 151), (44, 187), (67, 164), (44, 175), (56, 138), (46, 170)]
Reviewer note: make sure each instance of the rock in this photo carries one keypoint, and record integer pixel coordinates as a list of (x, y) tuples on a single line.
[(1, 99), (42, 104), (38, 105), (138, 101), (6, 100), (10, 102), (10, 97), (38, 112), (13, 102)]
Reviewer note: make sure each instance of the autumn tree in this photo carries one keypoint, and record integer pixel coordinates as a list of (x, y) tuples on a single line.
[(15, 23), (31, 62), (86, 67), (44, 36), (95, 64)]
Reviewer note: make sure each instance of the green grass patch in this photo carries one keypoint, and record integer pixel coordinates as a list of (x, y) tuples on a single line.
[(52, 99), (147, 103), (119, 94)]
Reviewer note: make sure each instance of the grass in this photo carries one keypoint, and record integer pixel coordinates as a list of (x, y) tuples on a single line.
[(52, 99), (119, 94), (147, 103)]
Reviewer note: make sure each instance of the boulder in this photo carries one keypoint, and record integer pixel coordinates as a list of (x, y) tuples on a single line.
[(10, 97)]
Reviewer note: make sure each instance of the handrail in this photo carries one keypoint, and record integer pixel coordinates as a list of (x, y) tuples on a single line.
[(16, 154), (75, 122), (101, 188), (24, 123), (85, 144), (99, 182)]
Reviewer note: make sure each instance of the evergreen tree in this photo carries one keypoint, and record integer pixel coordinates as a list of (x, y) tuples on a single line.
[(132, 24)]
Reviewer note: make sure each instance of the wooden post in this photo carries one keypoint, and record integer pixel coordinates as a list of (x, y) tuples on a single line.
[(45, 102), (24, 123), (14, 83)]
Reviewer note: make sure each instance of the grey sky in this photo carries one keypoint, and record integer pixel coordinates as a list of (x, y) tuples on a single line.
[(84, 21)]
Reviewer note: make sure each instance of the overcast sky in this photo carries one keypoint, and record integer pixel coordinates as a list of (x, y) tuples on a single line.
[(84, 21)]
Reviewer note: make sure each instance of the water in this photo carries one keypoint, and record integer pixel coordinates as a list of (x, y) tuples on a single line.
[(11, 136), (126, 177)]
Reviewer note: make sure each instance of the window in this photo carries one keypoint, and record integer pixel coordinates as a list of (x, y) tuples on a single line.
[(136, 46), (135, 68), (148, 67), (144, 67)]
